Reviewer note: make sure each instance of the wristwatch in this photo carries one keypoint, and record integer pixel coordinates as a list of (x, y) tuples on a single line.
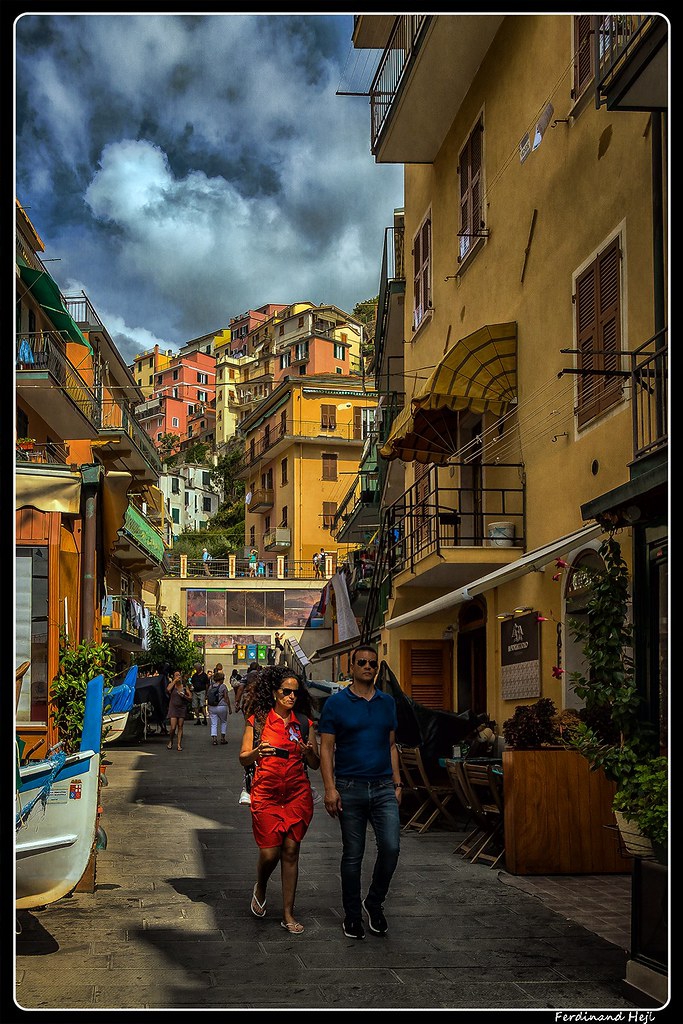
[(398, 785)]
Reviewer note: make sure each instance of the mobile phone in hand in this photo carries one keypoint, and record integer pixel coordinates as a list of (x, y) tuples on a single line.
[(280, 752)]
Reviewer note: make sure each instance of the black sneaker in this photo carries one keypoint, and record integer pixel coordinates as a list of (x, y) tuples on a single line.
[(353, 929), (377, 922)]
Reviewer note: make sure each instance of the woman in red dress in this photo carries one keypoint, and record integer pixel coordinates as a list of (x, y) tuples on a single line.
[(281, 797)]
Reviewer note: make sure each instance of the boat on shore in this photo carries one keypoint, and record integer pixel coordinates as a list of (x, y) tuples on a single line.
[(56, 813)]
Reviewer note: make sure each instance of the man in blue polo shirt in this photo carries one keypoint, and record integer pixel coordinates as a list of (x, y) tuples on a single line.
[(360, 770)]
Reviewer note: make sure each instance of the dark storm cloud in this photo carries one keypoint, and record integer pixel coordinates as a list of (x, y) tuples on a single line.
[(187, 167)]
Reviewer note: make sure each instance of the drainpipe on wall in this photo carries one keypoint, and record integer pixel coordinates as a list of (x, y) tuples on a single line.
[(90, 476)]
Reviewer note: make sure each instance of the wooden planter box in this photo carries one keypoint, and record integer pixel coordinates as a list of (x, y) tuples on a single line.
[(556, 813)]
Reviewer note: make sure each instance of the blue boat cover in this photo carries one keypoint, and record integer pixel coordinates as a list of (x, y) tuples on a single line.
[(122, 697)]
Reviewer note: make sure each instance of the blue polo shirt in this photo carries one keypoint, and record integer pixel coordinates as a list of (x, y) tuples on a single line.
[(361, 730)]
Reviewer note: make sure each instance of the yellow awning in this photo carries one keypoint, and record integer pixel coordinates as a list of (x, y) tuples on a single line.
[(49, 492), (114, 506), (478, 373)]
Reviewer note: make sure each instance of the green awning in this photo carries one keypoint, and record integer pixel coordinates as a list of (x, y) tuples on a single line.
[(139, 530), (47, 292)]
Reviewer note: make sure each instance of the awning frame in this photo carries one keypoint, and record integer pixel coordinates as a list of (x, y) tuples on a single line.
[(533, 561)]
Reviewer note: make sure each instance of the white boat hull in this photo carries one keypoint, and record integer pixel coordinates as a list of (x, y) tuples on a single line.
[(53, 846)]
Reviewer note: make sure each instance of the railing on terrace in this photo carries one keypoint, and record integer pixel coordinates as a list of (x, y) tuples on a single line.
[(45, 453), (431, 517), (121, 616), (398, 54), (303, 429), (279, 568), (393, 269), (363, 491), (115, 416), (44, 350), (649, 388), (615, 38), (83, 311)]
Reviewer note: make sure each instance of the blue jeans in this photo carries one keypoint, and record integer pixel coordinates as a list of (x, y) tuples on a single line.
[(363, 803)]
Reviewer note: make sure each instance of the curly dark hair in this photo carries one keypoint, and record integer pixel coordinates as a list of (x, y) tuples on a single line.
[(270, 680)]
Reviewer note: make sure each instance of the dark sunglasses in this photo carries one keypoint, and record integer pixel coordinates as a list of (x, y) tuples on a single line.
[(364, 661), (286, 692)]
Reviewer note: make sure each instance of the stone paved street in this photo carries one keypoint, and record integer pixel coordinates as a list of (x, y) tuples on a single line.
[(169, 924)]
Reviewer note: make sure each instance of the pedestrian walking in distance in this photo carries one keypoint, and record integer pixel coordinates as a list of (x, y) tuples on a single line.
[(361, 774), (199, 682), (280, 741), (206, 558), (180, 696), (218, 704)]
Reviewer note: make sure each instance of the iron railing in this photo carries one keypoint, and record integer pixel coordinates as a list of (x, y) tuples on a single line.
[(398, 55), (649, 390), (615, 38), (233, 567), (45, 453), (117, 416), (44, 350)]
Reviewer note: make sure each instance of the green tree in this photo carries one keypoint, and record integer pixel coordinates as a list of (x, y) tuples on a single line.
[(170, 645), (77, 666), (166, 445)]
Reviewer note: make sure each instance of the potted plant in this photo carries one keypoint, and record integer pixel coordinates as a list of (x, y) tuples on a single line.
[(611, 733), (554, 804), (26, 443)]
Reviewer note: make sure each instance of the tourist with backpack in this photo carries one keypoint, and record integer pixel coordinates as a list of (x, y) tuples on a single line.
[(279, 740), (218, 704)]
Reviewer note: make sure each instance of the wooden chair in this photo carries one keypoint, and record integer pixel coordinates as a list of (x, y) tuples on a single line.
[(473, 840), (435, 796), (486, 793)]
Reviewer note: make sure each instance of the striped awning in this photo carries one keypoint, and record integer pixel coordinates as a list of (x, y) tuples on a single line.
[(478, 373)]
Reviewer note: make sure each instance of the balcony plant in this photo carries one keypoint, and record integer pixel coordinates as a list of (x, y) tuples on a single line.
[(26, 443), (612, 733)]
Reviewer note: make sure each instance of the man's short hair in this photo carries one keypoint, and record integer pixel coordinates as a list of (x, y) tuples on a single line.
[(362, 647)]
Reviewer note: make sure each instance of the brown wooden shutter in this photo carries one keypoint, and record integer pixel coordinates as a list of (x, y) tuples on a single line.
[(357, 423), (426, 266), (417, 264), (328, 417), (329, 512), (329, 467), (583, 53), (426, 671), (475, 180), (598, 324)]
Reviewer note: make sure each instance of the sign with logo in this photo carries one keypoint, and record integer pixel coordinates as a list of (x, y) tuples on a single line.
[(252, 651), (520, 657)]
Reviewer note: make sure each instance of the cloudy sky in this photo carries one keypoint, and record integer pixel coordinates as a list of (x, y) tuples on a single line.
[(181, 169)]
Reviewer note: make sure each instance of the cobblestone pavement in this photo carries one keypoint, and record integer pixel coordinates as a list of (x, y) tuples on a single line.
[(169, 925)]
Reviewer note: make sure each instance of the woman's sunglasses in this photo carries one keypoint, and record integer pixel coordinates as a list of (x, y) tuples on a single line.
[(286, 692), (364, 661)]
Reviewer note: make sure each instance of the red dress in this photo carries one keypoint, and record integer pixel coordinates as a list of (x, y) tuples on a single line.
[(281, 797)]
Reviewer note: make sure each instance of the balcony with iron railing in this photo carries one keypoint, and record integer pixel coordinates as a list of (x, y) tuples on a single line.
[(40, 359), (117, 417), (392, 281), (48, 453), (650, 396), (121, 618), (435, 517), (398, 55), (279, 539), (262, 499), (301, 430), (630, 54)]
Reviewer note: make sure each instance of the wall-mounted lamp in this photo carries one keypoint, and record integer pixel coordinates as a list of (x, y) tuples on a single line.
[(505, 615), (522, 609), (631, 514)]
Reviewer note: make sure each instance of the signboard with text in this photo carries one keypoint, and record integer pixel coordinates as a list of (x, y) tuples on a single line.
[(520, 657)]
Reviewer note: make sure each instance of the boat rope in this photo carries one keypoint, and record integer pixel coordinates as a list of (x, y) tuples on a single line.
[(56, 761)]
